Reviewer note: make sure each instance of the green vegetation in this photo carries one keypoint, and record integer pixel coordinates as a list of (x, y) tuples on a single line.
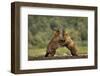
[(60, 52), (40, 33)]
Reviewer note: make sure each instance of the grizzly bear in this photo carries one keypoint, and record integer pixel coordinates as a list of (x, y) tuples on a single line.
[(61, 39)]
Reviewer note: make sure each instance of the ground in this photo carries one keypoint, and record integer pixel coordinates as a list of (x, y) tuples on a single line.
[(40, 52)]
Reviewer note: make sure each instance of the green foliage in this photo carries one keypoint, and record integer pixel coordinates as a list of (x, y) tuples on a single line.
[(40, 32)]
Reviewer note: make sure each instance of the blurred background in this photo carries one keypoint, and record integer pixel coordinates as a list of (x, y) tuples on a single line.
[(40, 33)]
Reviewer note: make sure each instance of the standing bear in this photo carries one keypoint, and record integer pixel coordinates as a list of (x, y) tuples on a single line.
[(61, 39)]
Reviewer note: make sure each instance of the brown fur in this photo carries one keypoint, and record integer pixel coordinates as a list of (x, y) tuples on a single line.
[(69, 43), (56, 43)]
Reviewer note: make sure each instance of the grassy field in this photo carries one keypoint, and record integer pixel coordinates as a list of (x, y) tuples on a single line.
[(40, 52)]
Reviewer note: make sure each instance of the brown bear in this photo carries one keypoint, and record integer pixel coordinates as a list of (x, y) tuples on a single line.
[(61, 39), (70, 44)]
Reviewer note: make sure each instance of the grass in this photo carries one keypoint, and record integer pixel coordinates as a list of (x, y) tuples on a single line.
[(40, 52)]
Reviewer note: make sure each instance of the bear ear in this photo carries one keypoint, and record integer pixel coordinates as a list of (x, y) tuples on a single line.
[(66, 33)]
